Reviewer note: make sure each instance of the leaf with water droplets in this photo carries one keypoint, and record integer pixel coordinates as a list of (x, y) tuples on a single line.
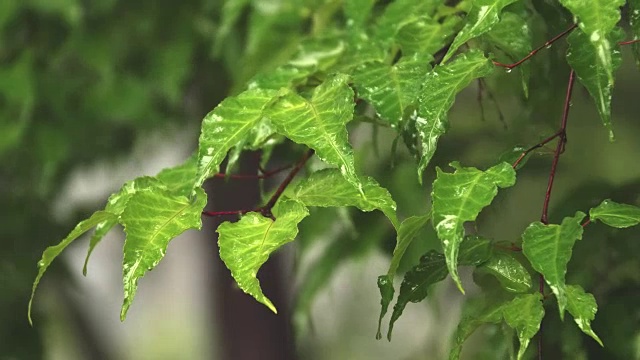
[(151, 219), (484, 14), (426, 35), (615, 214), (582, 306), (524, 314), (439, 91), (52, 252), (320, 123), (247, 244), (459, 197), (358, 11), (511, 274), (594, 69), (549, 248), (391, 89)]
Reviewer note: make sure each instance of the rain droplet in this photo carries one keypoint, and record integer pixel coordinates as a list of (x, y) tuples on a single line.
[(548, 46), (508, 70)]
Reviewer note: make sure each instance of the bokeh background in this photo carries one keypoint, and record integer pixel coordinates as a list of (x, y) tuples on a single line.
[(94, 93)]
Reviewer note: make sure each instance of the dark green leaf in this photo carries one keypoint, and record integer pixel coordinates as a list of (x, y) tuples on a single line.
[(328, 187), (391, 89), (548, 248), (439, 92), (509, 271), (247, 244), (52, 252), (582, 306), (594, 64), (385, 285), (524, 314), (459, 197), (320, 123), (151, 219), (616, 215), (426, 35), (483, 16)]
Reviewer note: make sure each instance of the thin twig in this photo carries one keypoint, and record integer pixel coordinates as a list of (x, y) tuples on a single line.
[(629, 42)]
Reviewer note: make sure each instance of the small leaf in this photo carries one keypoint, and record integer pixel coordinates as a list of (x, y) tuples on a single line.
[(226, 126), (459, 197), (484, 14), (524, 314), (511, 274), (385, 285), (52, 252), (548, 248), (328, 188), (432, 269), (247, 244), (616, 215), (151, 219), (582, 306), (391, 89), (320, 123), (439, 92), (594, 64)]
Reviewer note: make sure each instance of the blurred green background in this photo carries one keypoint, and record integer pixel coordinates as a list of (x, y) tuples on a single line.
[(94, 93)]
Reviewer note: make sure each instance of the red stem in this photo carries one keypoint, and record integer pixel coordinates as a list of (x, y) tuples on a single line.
[(535, 51), (622, 43)]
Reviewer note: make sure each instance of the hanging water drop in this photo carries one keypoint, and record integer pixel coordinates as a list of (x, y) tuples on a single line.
[(508, 70), (548, 46)]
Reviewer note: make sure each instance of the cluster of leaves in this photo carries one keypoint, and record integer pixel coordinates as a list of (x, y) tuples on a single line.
[(400, 66)]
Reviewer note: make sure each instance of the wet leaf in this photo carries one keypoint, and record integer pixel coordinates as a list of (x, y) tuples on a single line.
[(524, 314), (549, 248), (582, 306), (511, 274), (425, 35), (616, 215)]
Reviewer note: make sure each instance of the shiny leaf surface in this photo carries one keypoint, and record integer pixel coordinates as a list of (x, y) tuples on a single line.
[(582, 306), (549, 248), (247, 244), (425, 35), (615, 214), (459, 197), (524, 314), (440, 88), (509, 271), (151, 219)]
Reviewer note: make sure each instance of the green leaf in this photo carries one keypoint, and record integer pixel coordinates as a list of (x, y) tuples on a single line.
[(511, 274), (432, 269), (52, 252), (226, 126), (400, 13), (634, 23), (548, 248), (406, 233), (152, 218), (483, 16), (439, 92), (178, 179), (231, 11), (476, 312), (459, 197), (391, 89), (582, 306), (512, 35), (320, 123), (358, 11), (328, 188), (615, 214), (247, 244), (524, 314), (116, 205), (594, 66), (426, 35)]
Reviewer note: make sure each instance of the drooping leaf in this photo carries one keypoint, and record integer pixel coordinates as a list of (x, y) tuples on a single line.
[(459, 197), (511, 274), (476, 312), (320, 123), (594, 70), (247, 244), (425, 35), (406, 233), (52, 252), (634, 23), (226, 126), (151, 219), (391, 89), (549, 248), (524, 314), (441, 86), (328, 187), (432, 269), (116, 205), (616, 215), (484, 14), (513, 36), (582, 306)]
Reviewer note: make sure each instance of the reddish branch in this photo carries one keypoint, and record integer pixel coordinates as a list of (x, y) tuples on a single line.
[(265, 174), (266, 209)]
